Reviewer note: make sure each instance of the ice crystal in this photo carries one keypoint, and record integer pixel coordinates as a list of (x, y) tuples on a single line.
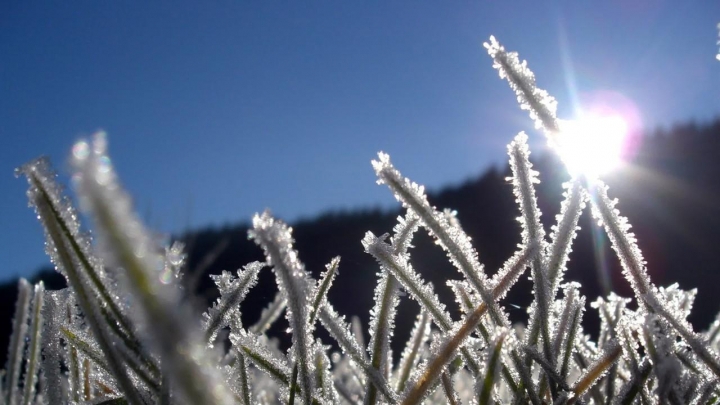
[(126, 245), (321, 289), (276, 239), (541, 105), (565, 231), (17, 341), (226, 311), (413, 283), (451, 237)]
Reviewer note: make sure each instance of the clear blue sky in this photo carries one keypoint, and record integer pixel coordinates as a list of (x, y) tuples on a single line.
[(218, 109)]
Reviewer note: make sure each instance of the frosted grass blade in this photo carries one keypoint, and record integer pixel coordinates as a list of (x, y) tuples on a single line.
[(32, 366), (420, 291), (525, 379), (634, 385), (595, 371), (548, 368), (241, 373), (448, 234), (17, 341), (625, 245), (263, 359), (492, 368), (322, 288), (410, 357), (381, 325), (467, 305), (320, 298), (449, 390), (568, 311), (564, 231), (124, 243), (541, 105), (62, 257), (323, 376), (50, 366), (532, 234), (54, 209), (570, 341), (232, 292), (413, 283), (84, 347), (276, 240), (43, 187), (382, 316), (339, 330), (434, 366)]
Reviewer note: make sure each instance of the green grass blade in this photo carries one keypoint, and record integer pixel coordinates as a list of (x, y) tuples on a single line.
[(32, 366), (17, 342)]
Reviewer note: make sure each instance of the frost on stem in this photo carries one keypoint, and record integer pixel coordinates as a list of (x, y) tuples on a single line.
[(411, 281), (442, 227), (54, 209), (50, 366), (340, 331), (623, 242), (382, 316), (541, 105), (254, 348), (523, 180), (17, 341), (32, 365), (411, 354), (460, 331), (125, 244), (43, 184), (564, 231), (276, 240), (226, 311), (320, 291)]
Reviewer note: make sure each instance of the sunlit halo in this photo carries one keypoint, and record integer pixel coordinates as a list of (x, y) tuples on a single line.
[(591, 145)]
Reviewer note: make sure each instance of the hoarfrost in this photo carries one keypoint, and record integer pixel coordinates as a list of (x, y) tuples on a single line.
[(564, 231), (17, 341), (448, 234), (413, 283), (276, 240), (226, 310), (32, 365), (125, 244), (541, 105)]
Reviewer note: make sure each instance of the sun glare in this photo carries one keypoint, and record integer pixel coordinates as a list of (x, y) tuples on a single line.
[(591, 145)]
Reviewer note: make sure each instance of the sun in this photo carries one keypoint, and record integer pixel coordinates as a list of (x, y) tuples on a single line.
[(591, 145)]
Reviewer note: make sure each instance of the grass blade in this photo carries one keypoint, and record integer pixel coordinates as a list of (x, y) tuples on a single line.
[(126, 244), (17, 341), (34, 341)]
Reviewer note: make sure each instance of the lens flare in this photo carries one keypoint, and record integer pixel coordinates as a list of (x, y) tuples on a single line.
[(591, 145)]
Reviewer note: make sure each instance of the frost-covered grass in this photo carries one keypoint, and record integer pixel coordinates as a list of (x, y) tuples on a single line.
[(123, 331)]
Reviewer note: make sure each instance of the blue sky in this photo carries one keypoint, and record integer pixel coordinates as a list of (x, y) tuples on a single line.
[(216, 110)]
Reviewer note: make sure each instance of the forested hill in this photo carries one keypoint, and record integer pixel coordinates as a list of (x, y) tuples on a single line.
[(671, 194)]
